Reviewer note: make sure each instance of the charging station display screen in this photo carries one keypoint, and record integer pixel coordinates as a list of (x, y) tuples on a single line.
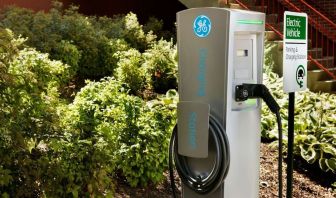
[(242, 52)]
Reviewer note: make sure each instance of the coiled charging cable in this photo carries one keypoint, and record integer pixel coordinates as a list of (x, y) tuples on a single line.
[(201, 184), (207, 184)]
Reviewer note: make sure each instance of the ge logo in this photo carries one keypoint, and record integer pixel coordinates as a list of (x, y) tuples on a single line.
[(202, 26), (245, 93)]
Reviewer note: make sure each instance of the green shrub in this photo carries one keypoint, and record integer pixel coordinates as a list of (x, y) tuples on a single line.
[(39, 156), (155, 26), (143, 155), (155, 69), (125, 27), (28, 115), (130, 71), (19, 20), (109, 55), (161, 66), (134, 133), (111, 27), (85, 163), (87, 44), (134, 34), (68, 54)]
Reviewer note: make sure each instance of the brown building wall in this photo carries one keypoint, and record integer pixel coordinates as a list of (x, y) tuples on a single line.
[(32, 4), (329, 7), (326, 7), (165, 10)]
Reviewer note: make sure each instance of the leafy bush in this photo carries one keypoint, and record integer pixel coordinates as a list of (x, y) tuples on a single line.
[(134, 133), (125, 27), (133, 33), (155, 69), (130, 71), (161, 66), (39, 157), (315, 123), (108, 55), (85, 163), (87, 44), (29, 84), (73, 150), (68, 53), (155, 26)]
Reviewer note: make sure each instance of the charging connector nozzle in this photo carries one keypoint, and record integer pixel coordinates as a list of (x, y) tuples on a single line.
[(246, 91)]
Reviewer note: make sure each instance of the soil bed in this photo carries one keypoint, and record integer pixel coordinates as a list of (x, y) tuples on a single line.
[(308, 181)]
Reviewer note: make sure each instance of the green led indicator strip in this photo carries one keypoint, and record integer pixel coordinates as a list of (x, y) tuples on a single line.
[(257, 22)]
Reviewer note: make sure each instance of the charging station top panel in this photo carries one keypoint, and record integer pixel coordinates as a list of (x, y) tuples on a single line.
[(206, 41), (247, 21)]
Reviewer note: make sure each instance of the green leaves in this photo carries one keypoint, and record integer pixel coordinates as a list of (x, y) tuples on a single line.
[(154, 70), (315, 120), (54, 149), (327, 148), (308, 153), (5, 176), (29, 105), (129, 70), (161, 66), (331, 163), (132, 132), (86, 44)]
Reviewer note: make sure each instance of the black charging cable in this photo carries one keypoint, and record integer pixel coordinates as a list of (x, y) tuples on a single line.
[(246, 91), (201, 184)]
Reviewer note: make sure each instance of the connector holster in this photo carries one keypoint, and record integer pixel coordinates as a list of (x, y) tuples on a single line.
[(247, 91)]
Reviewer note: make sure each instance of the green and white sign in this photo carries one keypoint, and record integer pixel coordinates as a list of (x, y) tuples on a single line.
[(295, 51)]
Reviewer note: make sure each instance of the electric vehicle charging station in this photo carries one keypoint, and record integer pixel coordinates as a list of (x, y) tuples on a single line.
[(218, 136)]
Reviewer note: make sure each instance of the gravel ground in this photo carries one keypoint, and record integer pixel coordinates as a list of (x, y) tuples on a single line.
[(308, 181)]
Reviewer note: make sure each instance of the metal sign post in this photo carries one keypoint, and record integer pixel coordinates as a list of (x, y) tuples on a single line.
[(294, 73)]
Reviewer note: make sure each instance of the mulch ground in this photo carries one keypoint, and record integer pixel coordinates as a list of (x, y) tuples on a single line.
[(308, 181)]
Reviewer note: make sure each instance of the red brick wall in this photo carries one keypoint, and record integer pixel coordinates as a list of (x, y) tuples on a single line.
[(32, 4), (165, 10), (326, 7)]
